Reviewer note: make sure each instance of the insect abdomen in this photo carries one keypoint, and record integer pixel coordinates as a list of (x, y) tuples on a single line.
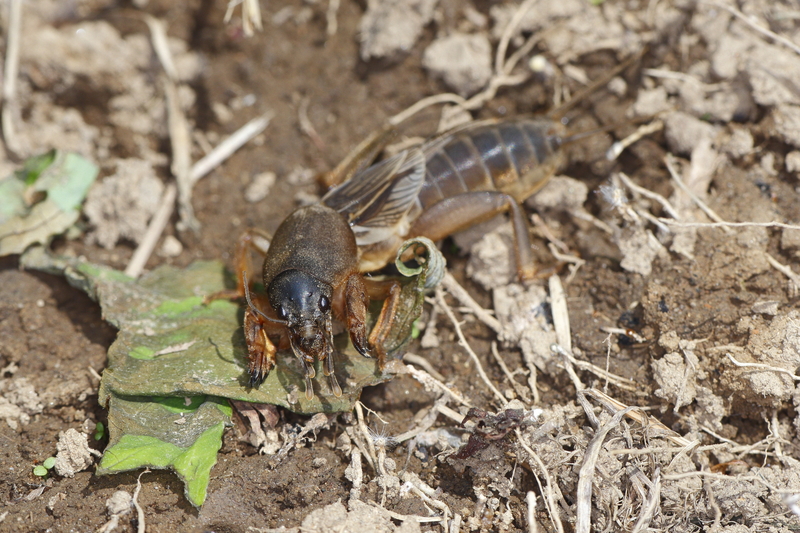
[(516, 157)]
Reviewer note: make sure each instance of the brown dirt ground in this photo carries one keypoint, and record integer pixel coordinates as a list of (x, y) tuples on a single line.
[(54, 333)]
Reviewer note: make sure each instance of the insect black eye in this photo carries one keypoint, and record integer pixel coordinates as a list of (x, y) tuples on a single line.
[(324, 304), (282, 313)]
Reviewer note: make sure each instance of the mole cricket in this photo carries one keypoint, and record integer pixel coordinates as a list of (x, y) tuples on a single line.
[(313, 268)]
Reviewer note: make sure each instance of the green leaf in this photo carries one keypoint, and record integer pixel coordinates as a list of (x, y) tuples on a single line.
[(167, 433), (177, 360), (99, 431), (39, 470), (61, 181), (137, 451), (194, 465), (33, 167), (49, 463)]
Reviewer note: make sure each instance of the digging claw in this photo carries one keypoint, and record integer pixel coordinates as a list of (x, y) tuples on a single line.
[(360, 343), (257, 377)]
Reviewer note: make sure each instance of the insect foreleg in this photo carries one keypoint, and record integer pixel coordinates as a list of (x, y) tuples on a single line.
[(390, 290), (261, 351), (356, 302), (252, 240)]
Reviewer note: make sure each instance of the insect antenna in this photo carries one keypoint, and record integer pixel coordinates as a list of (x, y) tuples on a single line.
[(255, 309), (575, 137), (559, 112)]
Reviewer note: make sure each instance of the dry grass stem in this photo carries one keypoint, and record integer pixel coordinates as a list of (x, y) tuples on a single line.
[(141, 527), (792, 375), (558, 306), (372, 456), (180, 139), (251, 15), (464, 344), (650, 505), (179, 129), (423, 363), (593, 220), (619, 331), (638, 416), (574, 262), (306, 126), (549, 501), (760, 29), (794, 278), (649, 450), (153, 233), (431, 383), (331, 21), (680, 76), (675, 223), (227, 147), (530, 500), (10, 73), (449, 413), (404, 517), (583, 495), (416, 486), (508, 32), (425, 419), (519, 389), (618, 147), (158, 36), (544, 230), (443, 98), (647, 193), (669, 161), (459, 293), (501, 78), (568, 366), (619, 381)]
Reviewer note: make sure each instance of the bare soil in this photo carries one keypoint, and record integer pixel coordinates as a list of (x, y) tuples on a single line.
[(682, 309)]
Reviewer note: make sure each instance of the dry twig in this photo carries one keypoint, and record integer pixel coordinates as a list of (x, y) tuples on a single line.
[(10, 73), (251, 15), (467, 347), (459, 293), (227, 147), (792, 375), (584, 490), (764, 31), (141, 528), (153, 233), (423, 363), (549, 501), (669, 160)]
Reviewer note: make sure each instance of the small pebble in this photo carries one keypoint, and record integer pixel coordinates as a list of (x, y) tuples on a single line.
[(171, 247), (260, 186)]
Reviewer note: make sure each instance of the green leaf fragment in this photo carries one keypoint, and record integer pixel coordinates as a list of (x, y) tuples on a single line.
[(194, 465), (99, 431), (137, 451), (33, 167), (42, 199), (141, 352), (159, 433), (49, 463), (39, 470)]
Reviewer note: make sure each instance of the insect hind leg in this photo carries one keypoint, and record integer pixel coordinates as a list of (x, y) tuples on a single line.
[(465, 210)]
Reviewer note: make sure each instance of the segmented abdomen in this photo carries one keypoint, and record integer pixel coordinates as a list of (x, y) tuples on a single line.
[(515, 156)]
